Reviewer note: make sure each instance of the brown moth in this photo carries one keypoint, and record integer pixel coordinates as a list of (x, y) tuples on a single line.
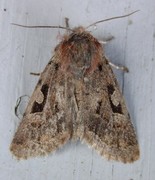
[(77, 97)]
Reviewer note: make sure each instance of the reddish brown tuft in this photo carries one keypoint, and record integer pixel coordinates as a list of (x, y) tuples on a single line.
[(79, 53)]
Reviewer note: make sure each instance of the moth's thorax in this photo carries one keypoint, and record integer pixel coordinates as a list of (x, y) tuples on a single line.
[(79, 52), (79, 30)]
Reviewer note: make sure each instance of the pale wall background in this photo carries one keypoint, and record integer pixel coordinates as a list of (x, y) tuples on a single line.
[(28, 50)]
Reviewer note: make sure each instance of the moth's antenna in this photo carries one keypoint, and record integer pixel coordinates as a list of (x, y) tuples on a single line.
[(109, 19), (59, 27)]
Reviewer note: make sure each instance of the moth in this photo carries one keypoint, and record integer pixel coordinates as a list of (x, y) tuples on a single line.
[(77, 97)]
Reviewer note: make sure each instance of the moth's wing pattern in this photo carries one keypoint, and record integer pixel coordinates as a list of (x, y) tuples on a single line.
[(108, 128), (43, 128)]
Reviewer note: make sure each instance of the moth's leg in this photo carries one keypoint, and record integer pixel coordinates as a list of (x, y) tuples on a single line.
[(106, 40), (18, 103), (123, 68), (35, 74), (38, 74)]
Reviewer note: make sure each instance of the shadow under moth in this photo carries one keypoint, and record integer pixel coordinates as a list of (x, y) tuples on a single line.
[(77, 97)]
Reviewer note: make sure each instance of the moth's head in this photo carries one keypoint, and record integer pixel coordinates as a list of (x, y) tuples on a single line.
[(76, 34), (79, 29)]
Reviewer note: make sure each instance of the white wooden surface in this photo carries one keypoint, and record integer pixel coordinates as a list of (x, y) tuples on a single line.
[(28, 50)]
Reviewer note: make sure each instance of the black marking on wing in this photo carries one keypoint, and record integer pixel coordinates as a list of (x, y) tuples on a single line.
[(98, 109), (56, 66), (115, 109), (100, 67), (39, 107), (94, 124), (111, 89)]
